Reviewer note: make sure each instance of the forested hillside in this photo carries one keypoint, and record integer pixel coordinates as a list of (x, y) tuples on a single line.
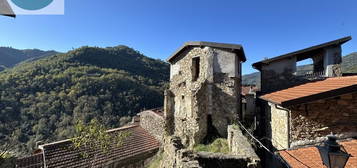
[(41, 100), (9, 57), (349, 65)]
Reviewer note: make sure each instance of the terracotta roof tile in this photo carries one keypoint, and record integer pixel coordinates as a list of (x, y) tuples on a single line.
[(329, 87), (33, 161), (138, 144), (310, 157)]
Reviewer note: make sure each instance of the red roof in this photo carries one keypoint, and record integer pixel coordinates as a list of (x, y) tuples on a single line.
[(140, 144), (310, 157), (33, 161), (311, 91)]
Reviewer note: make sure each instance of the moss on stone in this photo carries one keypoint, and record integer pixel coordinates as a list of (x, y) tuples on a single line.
[(219, 145)]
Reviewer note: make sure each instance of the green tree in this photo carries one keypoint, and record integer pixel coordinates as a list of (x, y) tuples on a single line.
[(94, 137)]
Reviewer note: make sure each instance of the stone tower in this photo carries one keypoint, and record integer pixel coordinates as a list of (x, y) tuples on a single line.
[(204, 94)]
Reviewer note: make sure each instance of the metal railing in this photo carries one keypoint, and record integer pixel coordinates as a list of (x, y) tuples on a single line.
[(313, 75)]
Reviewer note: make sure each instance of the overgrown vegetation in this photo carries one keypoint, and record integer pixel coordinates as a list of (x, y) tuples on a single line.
[(42, 100), (94, 137), (220, 145), (7, 159)]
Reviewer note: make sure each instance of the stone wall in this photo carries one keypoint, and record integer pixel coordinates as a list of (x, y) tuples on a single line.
[(215, 160), (239, 145), (215, 92), (177, 156), (153, 123), (310, 123), (314, 121), (279, 126)]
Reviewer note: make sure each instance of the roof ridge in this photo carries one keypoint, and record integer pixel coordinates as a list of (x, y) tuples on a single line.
[(108, 131), (236, 47), (340, 41)]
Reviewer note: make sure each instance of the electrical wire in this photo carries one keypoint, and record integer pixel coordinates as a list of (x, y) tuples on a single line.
[(264, 147)]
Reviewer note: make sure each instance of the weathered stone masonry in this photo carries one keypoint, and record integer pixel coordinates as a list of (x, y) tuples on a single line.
[(153, 123), (311, 122), (201, 103), (315, 120), (214, 93)]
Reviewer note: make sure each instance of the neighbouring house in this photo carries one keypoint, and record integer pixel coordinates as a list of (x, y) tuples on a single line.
[(249, 109), (136, 151), (280, 72), (298, 109), (307, 113)]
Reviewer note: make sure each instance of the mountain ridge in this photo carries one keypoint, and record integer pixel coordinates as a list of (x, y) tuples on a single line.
[(41, 100), (10, 57)]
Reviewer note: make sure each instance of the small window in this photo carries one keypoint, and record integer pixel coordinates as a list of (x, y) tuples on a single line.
[(195, 68)]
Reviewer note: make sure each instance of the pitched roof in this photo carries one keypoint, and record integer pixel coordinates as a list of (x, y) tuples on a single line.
[(33, 161), (304, 53), (138, 145), (311, 91), (234, 47), (310, 156)]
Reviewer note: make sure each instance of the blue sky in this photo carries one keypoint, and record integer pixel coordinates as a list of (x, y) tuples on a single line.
[(158, 27)]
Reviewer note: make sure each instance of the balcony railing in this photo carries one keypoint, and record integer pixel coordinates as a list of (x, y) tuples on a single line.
[(312, 75)]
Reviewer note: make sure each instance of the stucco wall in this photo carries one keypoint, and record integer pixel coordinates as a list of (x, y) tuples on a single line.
[(332, 56), (278, 75), (226, 62)]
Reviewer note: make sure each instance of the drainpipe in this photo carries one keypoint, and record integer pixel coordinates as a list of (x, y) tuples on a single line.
[(288, 121)]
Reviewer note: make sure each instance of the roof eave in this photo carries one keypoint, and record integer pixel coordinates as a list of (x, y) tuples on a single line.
[(9, 15), (271, 101), (323, 95), (340, 41), (235, 47)]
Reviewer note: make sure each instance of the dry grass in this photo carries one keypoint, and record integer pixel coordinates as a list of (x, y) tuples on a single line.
[(219, 145)]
